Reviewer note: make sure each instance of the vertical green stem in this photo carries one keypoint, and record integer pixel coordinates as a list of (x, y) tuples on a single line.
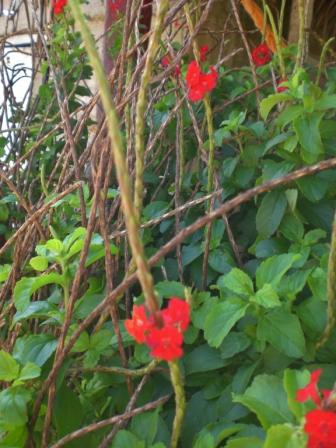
[(322, 60), (131, 220), (331, 289), (153, 46), (301, 42), (180, 404), (277, 38)]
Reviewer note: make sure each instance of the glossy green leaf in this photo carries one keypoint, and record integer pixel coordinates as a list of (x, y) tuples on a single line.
[(26, 287), (274, 268), (221, 318), (266, 297), (283, 331), (307, 128), (9, 368), (268, 103), (266, 397), (270, 213), (39, 263), (236, 281), (13, 406)]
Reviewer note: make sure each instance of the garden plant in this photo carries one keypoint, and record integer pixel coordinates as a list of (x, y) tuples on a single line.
[(168, 240)]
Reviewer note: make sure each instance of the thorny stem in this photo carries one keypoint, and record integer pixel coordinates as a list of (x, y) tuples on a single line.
[(153, 46), (177, 382), (131, 220)]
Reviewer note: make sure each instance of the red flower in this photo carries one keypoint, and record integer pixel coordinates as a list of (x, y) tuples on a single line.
[(199, 83), (165, 343), (139, 325), (58, 6), (310, 391), (203, 52), (261, 55), (166, 61), (320, 427), (177, 314)]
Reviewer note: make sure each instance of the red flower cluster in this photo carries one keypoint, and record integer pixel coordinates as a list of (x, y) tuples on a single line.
[(165, 342), (58, 6), (166, 61), (200, 83), (320, 424), (321, 428), (261, 55)]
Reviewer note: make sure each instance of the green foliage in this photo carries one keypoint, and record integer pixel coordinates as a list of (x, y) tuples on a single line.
[(254, 328)]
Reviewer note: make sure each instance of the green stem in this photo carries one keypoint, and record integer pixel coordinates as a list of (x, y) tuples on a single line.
[(322, 59), (131, 220), (153, 46), (177, 382), (277, 39), (331, 289), (301, 43)]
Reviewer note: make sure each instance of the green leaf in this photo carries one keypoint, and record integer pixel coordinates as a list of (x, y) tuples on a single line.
[(221, 319), (39, 263), (35, 348), (268, 103), (205, 440), (279, 436), (29, 371), (293, 381), (155, 209), (4, 272), (283, 331), (4, 213), (236, 281), (266, 397), (266, 297), (234, 343), (125, 439), (145, 426), (9, 368), (26, 287), (54, 246), (168, 289), (100, 340), (307, 128), (326, 101), (274, 268), (270, 213), (35, 309), (190, 253), (13, 406), (68, 411), (244, 442), (313, 188), (15, 437), (292, 228), (202, 359)]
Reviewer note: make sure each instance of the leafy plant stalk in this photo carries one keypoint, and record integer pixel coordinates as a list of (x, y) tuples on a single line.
[(153, 46), (177, 382), (131, 219)]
